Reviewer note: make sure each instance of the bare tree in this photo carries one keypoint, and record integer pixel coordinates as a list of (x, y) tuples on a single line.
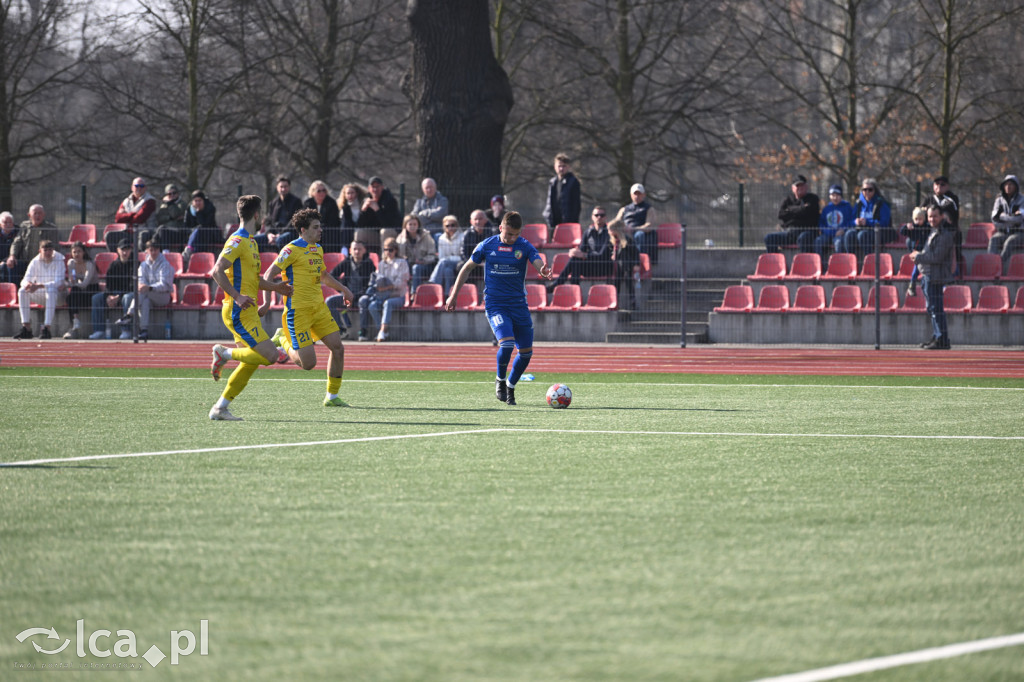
[(461, 98)]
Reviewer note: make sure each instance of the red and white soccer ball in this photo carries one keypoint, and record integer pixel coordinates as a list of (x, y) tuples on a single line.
[(559, 396)]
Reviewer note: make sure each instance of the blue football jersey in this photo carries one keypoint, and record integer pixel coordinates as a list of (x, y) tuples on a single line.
[(504, 268)]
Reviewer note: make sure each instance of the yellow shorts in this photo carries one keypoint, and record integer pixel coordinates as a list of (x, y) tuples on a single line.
[(244, 324), (306, 325)]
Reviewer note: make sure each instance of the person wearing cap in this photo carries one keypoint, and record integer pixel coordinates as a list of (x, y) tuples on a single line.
[(118, 282), (380, 210), (637, 218), (496, 211), (170, 230), (1007, 217), (25, 245), (431, 208), (798, 217), (201, 220), (563, 199), (136, 211), (836, 218), (44, 285), (871, 210)]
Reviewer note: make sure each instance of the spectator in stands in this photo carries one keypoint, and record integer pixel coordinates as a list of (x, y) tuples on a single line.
[(449, 254), (330, 217), (626, 258), (136, 211), (201, 219), (836, 218), (170, 230), (563, 200), (944, 198), (418, 248), (82, 283), (355, 273), (477, 232), (431, 208), (934, 262), (7, 234), (1007, 217), (871, 210), (916, 233), (276, 230), (118, 284), (25, 246), (156, 282), (798, 218), (638, 219), (385, 293), (350, 205), (380, 209), (593, 257), (496, 211), (42, 284)]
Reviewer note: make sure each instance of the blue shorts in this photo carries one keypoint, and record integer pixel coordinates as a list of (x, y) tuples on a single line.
[(511, 321)]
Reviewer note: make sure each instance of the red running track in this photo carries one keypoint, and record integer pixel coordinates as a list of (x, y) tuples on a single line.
[(551, 358)]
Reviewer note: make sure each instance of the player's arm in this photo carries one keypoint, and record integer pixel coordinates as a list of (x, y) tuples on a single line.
[(220, 276), (267, 283), (331, 281), (544, 270), (459, 281)]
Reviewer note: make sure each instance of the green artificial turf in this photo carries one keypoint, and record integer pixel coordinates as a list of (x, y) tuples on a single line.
[(661, 528)]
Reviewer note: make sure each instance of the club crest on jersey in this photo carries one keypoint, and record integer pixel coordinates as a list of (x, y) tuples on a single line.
[(518, 254), (285, 252)]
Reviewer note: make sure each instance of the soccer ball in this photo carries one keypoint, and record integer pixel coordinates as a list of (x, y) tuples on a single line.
[(559, 396)]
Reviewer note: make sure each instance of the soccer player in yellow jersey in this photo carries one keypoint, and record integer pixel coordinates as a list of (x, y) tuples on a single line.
[(237, 272), (306, 317)]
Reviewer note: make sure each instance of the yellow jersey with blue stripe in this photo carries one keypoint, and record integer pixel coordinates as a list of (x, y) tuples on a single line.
[(243, 252), (302, 265)]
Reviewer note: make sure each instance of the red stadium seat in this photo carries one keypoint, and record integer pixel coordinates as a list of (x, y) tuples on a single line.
[(867, 271), (978, 235), (195, 295), (112, 227), (774, 298), (332, 260), (841, 266), (218, 298), (174, 258), (536, 234), (888, 302), (566, 235), (957, 298), (531, 272), (914, 304), (267, 258), (428, 295), (986, 267), (906, 267), (1018, 303), (103, 261), (993, 298), (805, 267), (8, 295), (810, 298), (85, 233), (645, 266), (200, 265), (770, 266), (1015, 268), (846, 298), (670, 235), (602, 297), (469, 299), (559, 263), (739, 298), (566, 297), (536, 297)]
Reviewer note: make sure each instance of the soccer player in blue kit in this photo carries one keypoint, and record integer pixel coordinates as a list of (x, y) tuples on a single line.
[(505, 257)]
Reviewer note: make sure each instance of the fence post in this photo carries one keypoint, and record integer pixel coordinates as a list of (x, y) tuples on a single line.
[(917, 197), (239, 190), (878, 287), (682, 287), (741, 214), (82, 220), (401, 198)]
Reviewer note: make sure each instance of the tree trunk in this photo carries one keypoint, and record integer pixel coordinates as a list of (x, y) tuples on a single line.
[(461, 98)]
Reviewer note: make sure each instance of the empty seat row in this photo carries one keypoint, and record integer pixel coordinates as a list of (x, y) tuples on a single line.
[(846, 298), (564, 297), (843, 266), (567, 235)]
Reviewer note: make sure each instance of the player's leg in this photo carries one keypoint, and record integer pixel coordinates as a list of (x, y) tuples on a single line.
[(325, 329), (295, 338), (523, 327), (254, 349), (501, 325)]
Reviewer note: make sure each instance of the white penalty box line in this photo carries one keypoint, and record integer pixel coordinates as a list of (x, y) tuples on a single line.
[(472, 432)]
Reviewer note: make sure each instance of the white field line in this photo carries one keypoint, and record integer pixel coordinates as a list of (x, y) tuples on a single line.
[(868, 665), (339, 441), (319, 379)]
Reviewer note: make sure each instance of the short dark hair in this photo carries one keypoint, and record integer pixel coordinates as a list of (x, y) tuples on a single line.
[(152, 243), (512, 219), (46, 244), (563, 157), (248, 206), (304, 217), (282, 178)]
